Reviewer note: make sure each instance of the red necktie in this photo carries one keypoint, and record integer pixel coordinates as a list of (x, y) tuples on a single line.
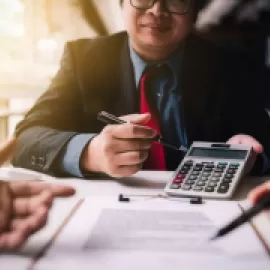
[(156, 158)]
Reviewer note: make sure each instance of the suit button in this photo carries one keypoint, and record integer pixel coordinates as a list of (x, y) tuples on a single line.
[(33, 160), (41, 161)]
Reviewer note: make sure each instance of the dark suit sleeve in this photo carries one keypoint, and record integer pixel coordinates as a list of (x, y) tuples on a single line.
[(243, 112), (51, 123)]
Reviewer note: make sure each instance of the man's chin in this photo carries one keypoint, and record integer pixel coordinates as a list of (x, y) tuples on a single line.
[(155, 43)]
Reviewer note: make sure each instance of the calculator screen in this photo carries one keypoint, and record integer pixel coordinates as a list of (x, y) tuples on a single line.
[(218, 153)]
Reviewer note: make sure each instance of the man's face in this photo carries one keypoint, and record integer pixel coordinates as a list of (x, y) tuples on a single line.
[(155, 28)]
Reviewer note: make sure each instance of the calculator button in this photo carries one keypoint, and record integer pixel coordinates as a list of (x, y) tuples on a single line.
[(227, 180), (197, 169), (223, 188), (178, 181), (183, 172), (205, 163), (208, 170), (223, 163), (201, 183), (212, 184), (209, 166), (216, 179), (175, 186), (186, 187), (189, 182), (197, 188), (217, 174), (209, 189), (204, 178), (193, 178), (221, 166), (181, 176), (206, 174), (228, 175), (235, 164), (219, 170), (195, 173), (231, 171), (199, 164), (189, 163)]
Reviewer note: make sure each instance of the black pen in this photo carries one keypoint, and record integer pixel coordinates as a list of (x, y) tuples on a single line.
[(262, 204), (112, 119)]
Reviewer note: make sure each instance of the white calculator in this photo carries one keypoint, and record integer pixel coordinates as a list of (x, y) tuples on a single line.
[(209, 170)]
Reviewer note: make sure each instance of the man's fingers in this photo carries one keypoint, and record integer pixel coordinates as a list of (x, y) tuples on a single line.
[(258, 192), (131, 158), (32, 222), (30, 188), (135, 127), (23, 206), (12, 240), (21, 229), (5, 205), (139, 119), (62, 190), (124, 171), (129, 131), (125, 145), (27, 188), (247, 140)]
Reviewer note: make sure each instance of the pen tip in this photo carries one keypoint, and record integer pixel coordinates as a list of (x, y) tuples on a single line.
[(215, 236), (212, 238)]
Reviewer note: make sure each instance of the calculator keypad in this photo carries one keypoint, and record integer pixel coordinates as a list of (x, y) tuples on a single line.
[(205, 176)]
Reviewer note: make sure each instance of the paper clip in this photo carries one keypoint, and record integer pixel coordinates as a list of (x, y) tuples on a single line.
[(192, 200)]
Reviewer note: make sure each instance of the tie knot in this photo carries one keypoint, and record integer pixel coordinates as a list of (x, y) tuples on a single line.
[(156, 70)]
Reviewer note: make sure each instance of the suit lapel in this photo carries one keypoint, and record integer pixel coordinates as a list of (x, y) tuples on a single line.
[(110, 83), (128, 98)]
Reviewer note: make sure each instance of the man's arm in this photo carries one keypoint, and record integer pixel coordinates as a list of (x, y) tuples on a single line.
[(52, 122), (242, 112)]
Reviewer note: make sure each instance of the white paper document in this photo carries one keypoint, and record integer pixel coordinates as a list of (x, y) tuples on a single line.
[(154, 234)]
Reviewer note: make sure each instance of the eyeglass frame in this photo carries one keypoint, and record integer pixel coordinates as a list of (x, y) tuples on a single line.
[(165, 4)]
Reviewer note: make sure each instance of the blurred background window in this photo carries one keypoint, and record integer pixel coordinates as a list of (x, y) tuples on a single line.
[(32, 38)]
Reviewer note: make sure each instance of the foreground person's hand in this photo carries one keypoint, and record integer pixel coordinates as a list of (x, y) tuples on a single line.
[(24, 207)]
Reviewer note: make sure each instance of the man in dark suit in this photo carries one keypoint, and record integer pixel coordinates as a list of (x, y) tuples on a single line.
[(204, 95)]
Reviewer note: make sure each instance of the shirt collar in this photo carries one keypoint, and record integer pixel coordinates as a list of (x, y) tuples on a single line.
[(139, 64)]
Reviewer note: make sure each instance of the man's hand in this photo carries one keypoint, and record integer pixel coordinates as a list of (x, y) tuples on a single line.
[(259, 192), (120, 150), (241, 10), (248, 140), (24, 207)]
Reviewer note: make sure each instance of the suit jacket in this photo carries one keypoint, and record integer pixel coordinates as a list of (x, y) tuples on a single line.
[(97, 74)]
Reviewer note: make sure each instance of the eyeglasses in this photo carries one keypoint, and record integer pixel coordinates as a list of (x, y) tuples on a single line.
[(179, 7)]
